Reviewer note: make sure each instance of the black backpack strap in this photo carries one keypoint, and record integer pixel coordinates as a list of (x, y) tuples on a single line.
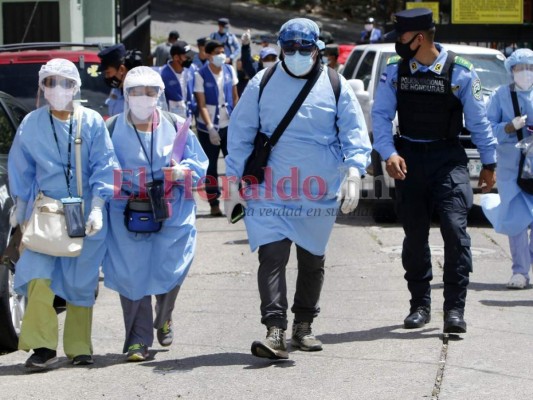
[(265, 78), (335, 83), (336, 86), (110, 123), (295, 106), (516, 108)]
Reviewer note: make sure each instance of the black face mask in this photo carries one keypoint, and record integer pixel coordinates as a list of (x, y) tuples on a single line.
[(404, 50), (114, 82), (187, 63)]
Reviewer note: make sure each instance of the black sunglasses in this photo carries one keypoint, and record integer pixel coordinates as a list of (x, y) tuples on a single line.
[(304, 47)]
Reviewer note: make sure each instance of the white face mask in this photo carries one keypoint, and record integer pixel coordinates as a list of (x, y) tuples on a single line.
[(369, 27), (523, 79), (142, 107), (219, 59), (267, 64), (299, 65), (59, 98)]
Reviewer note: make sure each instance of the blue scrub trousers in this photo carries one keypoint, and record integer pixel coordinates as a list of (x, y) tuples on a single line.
[(522, 251)]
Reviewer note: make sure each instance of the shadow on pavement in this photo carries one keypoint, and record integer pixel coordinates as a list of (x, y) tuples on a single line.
[(214, 360), (507, 303), (493, 287), (384, 332)]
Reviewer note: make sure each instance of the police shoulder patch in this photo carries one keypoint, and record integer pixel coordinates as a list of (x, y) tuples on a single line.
[(476, 89), (393, 60), (463, 62)]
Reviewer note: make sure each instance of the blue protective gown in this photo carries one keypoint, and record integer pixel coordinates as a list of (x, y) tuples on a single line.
[(295, 205), (35, 164), (511, 210), (137, 265)]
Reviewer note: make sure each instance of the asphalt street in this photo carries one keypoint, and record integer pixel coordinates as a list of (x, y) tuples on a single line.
[(367, 353)]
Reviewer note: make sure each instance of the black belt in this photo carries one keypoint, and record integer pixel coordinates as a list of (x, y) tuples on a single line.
[(402, 143)]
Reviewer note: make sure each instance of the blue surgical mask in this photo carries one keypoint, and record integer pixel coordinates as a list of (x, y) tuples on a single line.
[(219, 59), (299, 65), (225, 29)]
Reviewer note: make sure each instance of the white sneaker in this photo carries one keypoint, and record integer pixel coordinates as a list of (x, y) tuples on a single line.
[(517, 281)]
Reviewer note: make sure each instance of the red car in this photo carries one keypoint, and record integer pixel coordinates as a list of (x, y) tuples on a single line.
[(20, 64)]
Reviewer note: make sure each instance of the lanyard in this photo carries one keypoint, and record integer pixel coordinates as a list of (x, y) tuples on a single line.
[(151, 158), (69, 151)]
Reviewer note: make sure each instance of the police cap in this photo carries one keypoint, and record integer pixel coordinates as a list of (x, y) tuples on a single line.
[(223, 21), (112, 56), (415, 19)]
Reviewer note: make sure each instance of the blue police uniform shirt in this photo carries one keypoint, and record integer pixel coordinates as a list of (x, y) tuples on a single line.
[(466, 87), (115, 102)]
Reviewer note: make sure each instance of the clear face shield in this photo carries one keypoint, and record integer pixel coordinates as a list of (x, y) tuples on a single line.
[(59, 85), (523, 76), (60, 93), (141, 102)]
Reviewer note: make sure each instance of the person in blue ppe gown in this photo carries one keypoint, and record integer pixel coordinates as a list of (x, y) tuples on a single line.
[(318, 160), (139, 265), (42, 159), (432, 89), (115, 62), (511, 210)]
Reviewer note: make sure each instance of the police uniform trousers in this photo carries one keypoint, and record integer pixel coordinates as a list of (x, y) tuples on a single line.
[(138, 316), (273, 259), (437, 179), (212, 152)]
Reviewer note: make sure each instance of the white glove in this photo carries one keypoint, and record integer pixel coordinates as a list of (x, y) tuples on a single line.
[(245, 38), (214, 137), (95, 222), (519, 122), (17, 213), (177, 171), (233, 199), (350, 190)]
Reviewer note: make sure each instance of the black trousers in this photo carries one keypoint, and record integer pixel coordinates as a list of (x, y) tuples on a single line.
[(273, 259), (436, 179), (212, 152)]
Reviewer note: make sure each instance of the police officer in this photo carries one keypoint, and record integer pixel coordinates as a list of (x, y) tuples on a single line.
[(232, 47), (115, 62), (370, 34), (431, 88)]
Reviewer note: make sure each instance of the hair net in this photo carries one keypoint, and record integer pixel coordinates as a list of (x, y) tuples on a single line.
[(299, 29), (60, 67), (143, 76), (519, 56)]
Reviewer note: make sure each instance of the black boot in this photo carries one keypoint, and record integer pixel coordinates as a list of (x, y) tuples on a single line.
[(454, 322), (418, 318)]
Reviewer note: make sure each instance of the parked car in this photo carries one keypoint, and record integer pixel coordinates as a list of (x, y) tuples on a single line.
[(20, 64), (12, 306), (364, 67)]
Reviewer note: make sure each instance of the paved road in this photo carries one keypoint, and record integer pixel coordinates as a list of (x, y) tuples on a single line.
[(367, 353)]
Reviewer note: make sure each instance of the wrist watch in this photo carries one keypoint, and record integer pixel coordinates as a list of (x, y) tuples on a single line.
[(490, 167)]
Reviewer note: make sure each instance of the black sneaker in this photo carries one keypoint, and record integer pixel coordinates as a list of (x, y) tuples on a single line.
[(41, 359), (83, 359)]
